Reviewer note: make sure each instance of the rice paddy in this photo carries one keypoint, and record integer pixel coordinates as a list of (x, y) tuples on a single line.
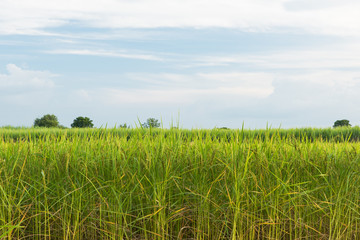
[(179, 184)]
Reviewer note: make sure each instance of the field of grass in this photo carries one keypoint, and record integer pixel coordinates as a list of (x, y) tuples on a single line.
[(179, 184)]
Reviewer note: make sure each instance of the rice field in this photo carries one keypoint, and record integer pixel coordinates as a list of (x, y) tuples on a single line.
[(179, 184)]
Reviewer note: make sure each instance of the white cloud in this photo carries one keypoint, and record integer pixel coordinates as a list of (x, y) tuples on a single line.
[(329, 83), (18, 78), (181, 96), (306, 5), (186, 89), (105, 53), (326, 17), (22, 87), (301, 99), (336, 56), (83, 94), (317, 96)]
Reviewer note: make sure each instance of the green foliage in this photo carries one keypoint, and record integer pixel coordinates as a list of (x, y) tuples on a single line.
[(342, 123), (82, 122), (124, 126), (333, 135), (48, 121), (151, 123), (179, 184), (13, 127)]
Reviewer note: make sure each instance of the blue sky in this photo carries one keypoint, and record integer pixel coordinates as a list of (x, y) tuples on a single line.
[(289, 63)]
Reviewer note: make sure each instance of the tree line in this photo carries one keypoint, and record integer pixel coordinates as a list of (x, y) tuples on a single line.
[(51, 121)]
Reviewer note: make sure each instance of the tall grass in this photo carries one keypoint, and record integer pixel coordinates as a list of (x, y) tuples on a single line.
[(178, 184), (339, 134)]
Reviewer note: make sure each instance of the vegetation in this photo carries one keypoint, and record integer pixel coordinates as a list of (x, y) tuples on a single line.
[(179, 184), (82, 122), (340, 134), (48, 120), (151, 123), (342, 123), (124, 126)]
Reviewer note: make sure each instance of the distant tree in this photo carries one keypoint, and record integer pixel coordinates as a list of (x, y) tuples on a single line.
[(342, 123), (82, 122), (48, 120), (151, 123), (124, 126)]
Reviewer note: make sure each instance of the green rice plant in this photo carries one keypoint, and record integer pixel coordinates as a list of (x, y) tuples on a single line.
[(179, 184)]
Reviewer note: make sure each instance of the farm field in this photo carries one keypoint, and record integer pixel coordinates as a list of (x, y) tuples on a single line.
[(179, 184)]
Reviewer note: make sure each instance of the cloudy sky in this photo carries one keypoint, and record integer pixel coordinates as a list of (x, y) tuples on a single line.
[(202, 63)]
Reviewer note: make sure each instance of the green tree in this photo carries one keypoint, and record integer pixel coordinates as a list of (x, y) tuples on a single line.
[(342, 123), (151, 123), (124, 126), (48, 120), (82, 122)]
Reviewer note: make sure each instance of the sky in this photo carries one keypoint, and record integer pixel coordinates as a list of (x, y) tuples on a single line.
[(191, 63)]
